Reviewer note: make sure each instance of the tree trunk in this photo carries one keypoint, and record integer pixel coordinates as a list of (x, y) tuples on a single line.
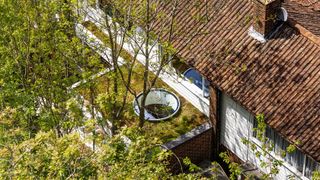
[(142, 110), (146, 69)]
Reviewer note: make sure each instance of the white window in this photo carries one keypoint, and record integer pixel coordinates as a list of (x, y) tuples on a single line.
[(197, 79)]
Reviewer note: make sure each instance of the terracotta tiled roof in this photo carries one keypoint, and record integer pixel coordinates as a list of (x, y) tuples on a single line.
[(280, 78), (311, 4), (306, 13)]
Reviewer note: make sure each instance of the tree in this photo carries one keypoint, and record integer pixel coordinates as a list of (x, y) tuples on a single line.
[(48, 156), (114, 99), (40, 59), (52, 157), (148, 28)]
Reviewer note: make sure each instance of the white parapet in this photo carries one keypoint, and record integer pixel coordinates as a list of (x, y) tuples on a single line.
[(95, 43)]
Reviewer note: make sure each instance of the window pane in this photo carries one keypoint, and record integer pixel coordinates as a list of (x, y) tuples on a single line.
[(310, 167), (299, 158), (270, 133), (254, 125), (280, 145)]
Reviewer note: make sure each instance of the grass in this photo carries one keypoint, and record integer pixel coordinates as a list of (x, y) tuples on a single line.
[(105, 39), (185, 120)]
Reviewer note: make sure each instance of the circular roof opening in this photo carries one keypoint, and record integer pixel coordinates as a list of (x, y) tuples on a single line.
[(160, 105), (283, 14)]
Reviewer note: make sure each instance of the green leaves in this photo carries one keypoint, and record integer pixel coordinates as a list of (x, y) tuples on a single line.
[(316, 175), (192, 167), (48, 156), (40, 59), (234, 167), (265, 149)]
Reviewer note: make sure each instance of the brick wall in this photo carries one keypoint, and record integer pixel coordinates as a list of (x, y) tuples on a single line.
[(265, 15), (202, 143), (215, 121), (197, 145)]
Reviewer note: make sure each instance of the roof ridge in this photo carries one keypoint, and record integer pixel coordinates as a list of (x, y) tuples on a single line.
[(305, 32)]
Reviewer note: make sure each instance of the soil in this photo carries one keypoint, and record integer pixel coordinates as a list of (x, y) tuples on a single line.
[(159, 110)]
